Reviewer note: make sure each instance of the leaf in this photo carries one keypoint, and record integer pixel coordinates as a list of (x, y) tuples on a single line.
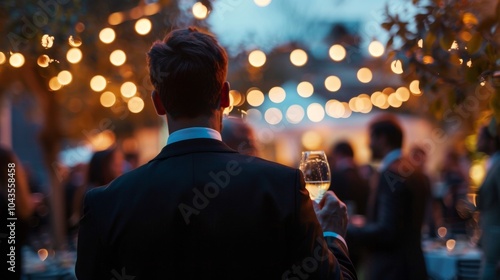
[(387, 25)]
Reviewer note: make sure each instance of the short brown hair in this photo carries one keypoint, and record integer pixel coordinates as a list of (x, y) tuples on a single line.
[(188, 69)]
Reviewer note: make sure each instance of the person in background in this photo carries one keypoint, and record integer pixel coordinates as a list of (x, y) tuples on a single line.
[(13, 186), (199, 209), (104, 167), (239, 136), (454, 189), (488, 202), (418, 158), (347, 183), (392, 231)]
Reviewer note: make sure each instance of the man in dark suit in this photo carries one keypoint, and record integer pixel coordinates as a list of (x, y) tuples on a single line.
[(200, 210), (392, 232), (488, 201)]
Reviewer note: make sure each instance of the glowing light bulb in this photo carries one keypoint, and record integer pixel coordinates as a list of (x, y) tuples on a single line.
[(98, 83), (107, 35), (74, 55), (333, 83), (143, 26), (117, 57), (257, 58), (64, 77), (298, 57), (376, 49), (200, 11), (337, 52), (305, 89), (16, 60)]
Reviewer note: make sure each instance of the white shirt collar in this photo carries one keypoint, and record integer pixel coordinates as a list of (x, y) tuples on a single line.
[(389, 159), (192, 133)]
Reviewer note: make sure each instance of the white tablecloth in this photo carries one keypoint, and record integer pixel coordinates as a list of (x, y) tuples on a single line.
[(443, 264)]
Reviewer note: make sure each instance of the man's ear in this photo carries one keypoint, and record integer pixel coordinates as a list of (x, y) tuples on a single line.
[(160, 109), (224, 96)]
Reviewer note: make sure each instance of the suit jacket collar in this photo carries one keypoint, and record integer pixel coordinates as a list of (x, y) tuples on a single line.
[(198, 145)]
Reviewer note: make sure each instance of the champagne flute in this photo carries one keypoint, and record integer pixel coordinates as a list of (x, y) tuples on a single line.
[(316, 170)]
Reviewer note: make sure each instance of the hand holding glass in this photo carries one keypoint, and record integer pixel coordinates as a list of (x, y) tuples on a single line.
[(316, 170)]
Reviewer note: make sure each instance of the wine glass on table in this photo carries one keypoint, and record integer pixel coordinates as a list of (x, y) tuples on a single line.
[(316, 170)]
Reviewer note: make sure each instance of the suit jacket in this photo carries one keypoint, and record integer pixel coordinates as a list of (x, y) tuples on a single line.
[(200, 210), (392, 234), (488, 203)]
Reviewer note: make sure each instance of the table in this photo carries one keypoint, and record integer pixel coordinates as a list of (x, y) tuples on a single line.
[(444, 264)]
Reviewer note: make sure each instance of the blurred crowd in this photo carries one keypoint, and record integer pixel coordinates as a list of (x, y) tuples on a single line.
[(392, 204)]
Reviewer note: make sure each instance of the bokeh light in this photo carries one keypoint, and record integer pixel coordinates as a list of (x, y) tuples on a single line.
[(43, 60), (128, 89), (363, 103), (402, 94), (277, 94), (450, 244), (115, 18), (415, 87), (108, 99), (273, 116), (107, 35), (16, 60), (135, 104), (337, 52), (442, 231), (305, 89), (257, 58), (376, 49), (117, 57), (74, 55), (237, 97), (64, 77), (98, 83), (394, 101), (43, 254), (74, 42), (397, 66), (334, 108), (54, 84), (311, 140), (255, 97), (3, 58), (200, 11), (47, 41), (143, 26), (315, 112), (365, 75), (333, 83), (295, 114), (298, 57), (262, 3), (254, 114)]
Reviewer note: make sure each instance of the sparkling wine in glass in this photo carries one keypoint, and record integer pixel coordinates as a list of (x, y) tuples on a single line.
[(316, 170)]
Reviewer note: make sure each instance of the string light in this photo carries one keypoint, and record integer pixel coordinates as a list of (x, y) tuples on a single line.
[(135, 104), (255, 97), (3, 58), (273, 116), (298, 57), (397, 66), (295, 114), (16, 60), (305, 89), (54, 84), (200, 11), (64, 77), (128, 89), (315, 112), (277, 94), (257, 58), (364, 75), (143, 26), (117, 57), (98, 83), (333, 83), (107, 99), (107, 35), (43, 60), (74, 55), (262, 3), (337, 52), (376, 49)]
